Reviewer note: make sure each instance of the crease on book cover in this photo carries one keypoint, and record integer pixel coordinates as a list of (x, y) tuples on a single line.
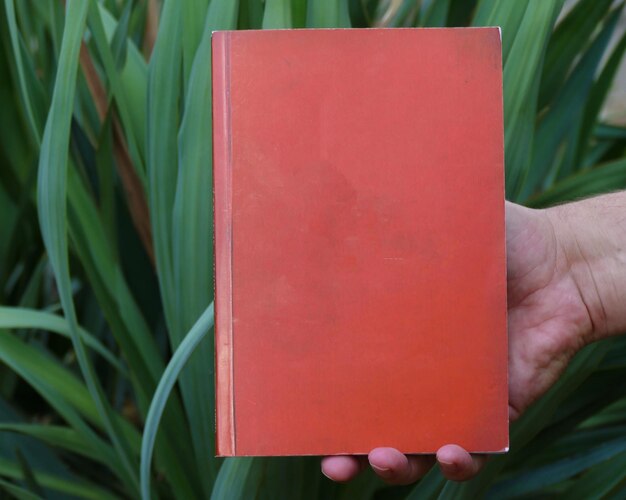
[(224, 325)]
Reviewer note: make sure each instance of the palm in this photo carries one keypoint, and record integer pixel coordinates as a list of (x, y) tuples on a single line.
[(546, 311)]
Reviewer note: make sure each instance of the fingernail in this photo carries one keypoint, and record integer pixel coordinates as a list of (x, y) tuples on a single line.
[(450, 466), (384, 471), (327, 475)]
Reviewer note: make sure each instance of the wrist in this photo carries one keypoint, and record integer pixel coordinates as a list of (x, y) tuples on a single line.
[(589, 254)]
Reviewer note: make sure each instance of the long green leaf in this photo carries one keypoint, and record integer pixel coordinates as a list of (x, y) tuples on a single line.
[(436, 14), (562, 435), (600, 480), (604, 131), (128, 326), (507, 15), (429, 487), (235, 477), (119, 42), (60, 389), (283, 477), (16, 317), (250, 14), (277, 14), (82, 489), (395, 14), (170, 375), (164, 84), (614, 414), (564, 116), (52, 211), (298, 10), (52, 380), (328, 14), (116, 86), (568, 41), (17, 492), (194, 13), (585, 183), (597, 97), (222, 15), (192, 239), (537, 479), (129, 329), (521, 84), (56, 436), (134, 80), (24, 94), (571, 442)]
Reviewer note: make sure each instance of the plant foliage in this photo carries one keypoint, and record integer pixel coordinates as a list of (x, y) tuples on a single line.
[(106, 276)]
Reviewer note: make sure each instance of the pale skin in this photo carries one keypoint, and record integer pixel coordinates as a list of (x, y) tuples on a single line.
[(566, 269)]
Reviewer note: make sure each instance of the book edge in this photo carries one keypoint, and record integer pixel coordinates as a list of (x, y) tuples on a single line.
[(222, 174), (369, 28), (503, 197)]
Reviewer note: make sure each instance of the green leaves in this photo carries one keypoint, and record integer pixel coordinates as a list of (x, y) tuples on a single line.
[(601, 480), (170, 375), (192, 239), (17, 55), (52, 188), (277, 14), (80, 489), (562, 120), (235, 478), (584, 183), (560, 470), (98, 365), (328, 14), (521, 87), (14, 317), (569, 40), (164, 84), (58, 437)]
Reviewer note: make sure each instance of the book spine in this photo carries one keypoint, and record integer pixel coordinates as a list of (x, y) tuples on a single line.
[(222, 182)]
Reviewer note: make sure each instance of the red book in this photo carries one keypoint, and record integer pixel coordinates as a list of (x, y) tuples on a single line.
[(359, 241)]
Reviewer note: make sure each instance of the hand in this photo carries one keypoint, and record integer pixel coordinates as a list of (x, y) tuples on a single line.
[(548, 322)]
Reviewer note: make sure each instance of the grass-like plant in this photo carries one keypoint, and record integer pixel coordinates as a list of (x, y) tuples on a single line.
[(106, 271)]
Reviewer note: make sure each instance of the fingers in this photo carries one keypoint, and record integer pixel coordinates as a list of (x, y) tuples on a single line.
[(342, 468), (397, 468), (457, 464)]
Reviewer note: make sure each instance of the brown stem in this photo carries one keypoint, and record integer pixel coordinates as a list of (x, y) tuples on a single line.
[(133, 188), (152, 26)]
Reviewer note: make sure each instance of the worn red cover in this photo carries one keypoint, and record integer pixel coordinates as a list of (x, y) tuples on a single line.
[(359, 241)]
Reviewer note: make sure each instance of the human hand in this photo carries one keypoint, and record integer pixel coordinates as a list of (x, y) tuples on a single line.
[(549, 320)]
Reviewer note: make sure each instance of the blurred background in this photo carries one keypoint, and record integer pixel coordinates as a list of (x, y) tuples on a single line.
[(106, 271)]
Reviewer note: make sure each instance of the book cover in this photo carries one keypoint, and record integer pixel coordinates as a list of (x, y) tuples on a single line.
[(359, 241)]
